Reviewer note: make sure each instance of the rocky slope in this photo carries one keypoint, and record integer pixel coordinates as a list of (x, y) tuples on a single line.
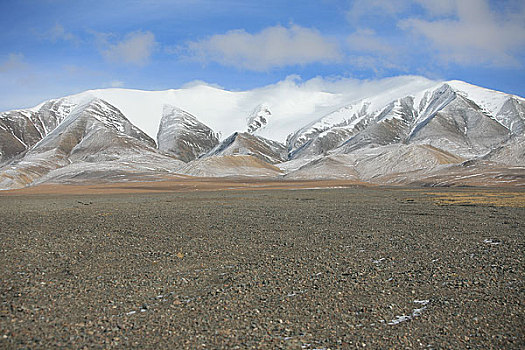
[(22, 129), (443, 117), (230, 166), (246, 144), (412, 136), (93, 141), (259, 118), (182, 135)]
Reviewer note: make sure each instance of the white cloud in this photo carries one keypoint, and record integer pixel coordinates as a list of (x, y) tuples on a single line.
[(16, 73), (116, 83), (136, 48), (272, 47), (59, 33), (476, 34), (438, 8), (376, 64), (13, 62), (371, 52), (197, 82), (376, 8), (468, 32), (366, 40)]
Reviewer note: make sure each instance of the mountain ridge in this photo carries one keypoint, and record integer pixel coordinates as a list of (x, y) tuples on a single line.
[(383, 137)]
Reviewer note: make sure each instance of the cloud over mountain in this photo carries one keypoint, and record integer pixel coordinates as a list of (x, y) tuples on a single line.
[(274, 46), (243, 45), (136, 48), (472, 32)]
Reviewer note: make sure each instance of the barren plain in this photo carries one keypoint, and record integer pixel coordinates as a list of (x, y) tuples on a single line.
[(229, 267)]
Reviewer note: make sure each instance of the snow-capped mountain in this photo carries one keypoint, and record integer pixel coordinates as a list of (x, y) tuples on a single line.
[(442, 116), (182, 135), (400, 130), (94, 141), (443, 119), (22, 129)]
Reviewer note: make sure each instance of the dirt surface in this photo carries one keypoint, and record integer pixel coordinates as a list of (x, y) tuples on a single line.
[(181, 184), (312, 269)]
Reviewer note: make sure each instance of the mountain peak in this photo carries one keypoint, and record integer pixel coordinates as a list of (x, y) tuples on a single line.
[(258, 118), (182, 135)]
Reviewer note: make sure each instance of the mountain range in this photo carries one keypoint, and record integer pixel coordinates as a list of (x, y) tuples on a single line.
[(409, 130)]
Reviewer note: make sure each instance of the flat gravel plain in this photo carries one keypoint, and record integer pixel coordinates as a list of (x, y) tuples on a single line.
[(295, 269)]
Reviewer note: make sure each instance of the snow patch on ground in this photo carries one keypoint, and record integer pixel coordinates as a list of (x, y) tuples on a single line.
[(415, 313)]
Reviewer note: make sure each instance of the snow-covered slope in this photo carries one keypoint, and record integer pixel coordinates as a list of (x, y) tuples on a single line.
[(258, 118), (395, 130), (22, 129), (355, 113), (95, 136), (292, 104), (182, 135), (468, 122)]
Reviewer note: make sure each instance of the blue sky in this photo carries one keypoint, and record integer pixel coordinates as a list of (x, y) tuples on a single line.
[(51, 48)]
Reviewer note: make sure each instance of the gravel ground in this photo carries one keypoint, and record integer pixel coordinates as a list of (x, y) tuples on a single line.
[(311, 269)]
